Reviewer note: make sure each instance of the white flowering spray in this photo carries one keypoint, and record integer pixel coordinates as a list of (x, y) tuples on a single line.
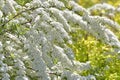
[(34, 37)]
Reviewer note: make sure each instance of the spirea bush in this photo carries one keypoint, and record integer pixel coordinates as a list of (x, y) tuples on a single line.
[(34, 38)]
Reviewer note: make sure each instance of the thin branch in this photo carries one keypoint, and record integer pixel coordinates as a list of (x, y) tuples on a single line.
[(18, 15)]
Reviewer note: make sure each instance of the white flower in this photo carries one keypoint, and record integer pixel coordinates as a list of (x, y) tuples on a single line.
[(81, 66), (8, 7), (9, 48), (91, 77), (21, 72), (4, 68), (21, 78), (6, 76), (22, 20), (13, 37), (77, 8), (102, 6), (1, 14), (112, 39), (62, 56), (118, 9), (36, 21), (59, 28), (59, 15), (57, 4), (46, 4), (2, 2), (19, 63), (1, 45), (1, 57), (36, 3)]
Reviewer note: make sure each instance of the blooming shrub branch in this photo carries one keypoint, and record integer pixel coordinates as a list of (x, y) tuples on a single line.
[(34, 39)]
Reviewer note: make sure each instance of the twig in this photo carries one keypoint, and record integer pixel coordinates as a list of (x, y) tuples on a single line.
[(18, 15)]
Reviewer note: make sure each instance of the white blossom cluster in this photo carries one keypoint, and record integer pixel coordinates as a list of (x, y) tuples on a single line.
[(42, 52)]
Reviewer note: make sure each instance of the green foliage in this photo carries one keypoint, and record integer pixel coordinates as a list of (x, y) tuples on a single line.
[(14, 28), (89, 3), (22, 2)]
